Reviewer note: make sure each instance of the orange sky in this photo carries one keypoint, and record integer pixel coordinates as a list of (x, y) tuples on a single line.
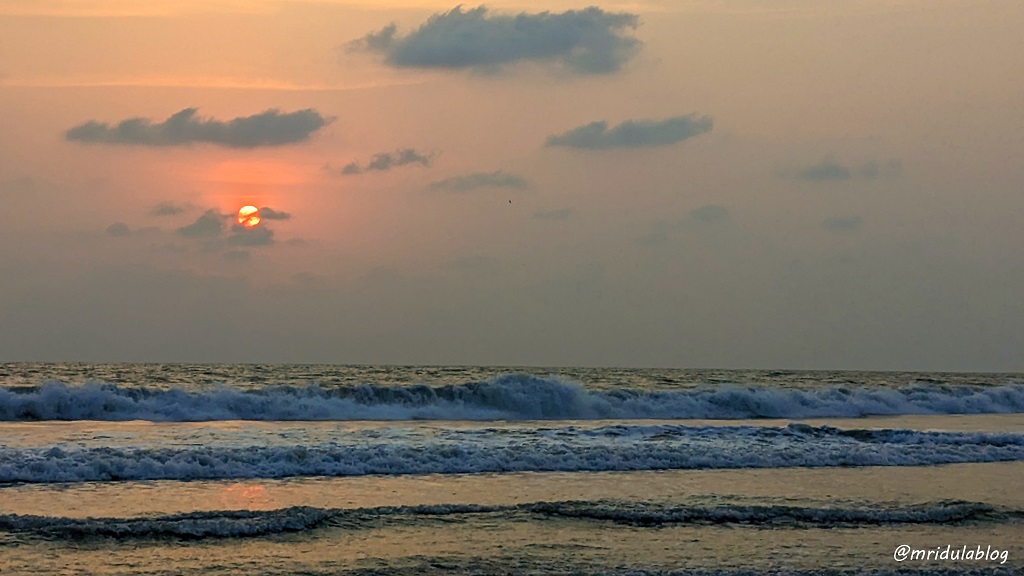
[(862, 175)]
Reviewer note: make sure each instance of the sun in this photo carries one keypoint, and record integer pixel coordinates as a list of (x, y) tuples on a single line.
[(249, 216)]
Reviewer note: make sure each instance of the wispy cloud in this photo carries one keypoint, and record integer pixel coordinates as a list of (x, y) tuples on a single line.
[(826, 170), (703, 219), (118, 229), (237, 255), (831, 170), (875, 169), (268, 213), (269, 128), (633, 133), (167, 209), (710, 213), (589, 41), (241, 236), (385, 161), (468, 182), (209, 225), (218, 231)]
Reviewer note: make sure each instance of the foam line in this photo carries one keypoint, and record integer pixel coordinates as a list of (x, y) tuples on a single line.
[(245, 524), (569, 449), (506, 397)]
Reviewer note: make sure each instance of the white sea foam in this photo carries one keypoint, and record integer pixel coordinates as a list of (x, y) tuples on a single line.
[(455, 451), (507, 397)]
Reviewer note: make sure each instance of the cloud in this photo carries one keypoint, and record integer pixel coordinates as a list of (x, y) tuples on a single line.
[(831, 170), (212, 227), (589, 41), (258, 236), (118, 229), (824, 171), (237, 255), (633, 133), (701, 220), (385, 161), (267, 213), (887, 169), (842, 223), (710, 213), (269, 128), (559, 214), (468, 182), (209, 225), (166, 209)]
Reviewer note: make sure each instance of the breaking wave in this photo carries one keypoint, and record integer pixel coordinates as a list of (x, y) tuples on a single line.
[(243, 524), (566, 449), (506, 397)]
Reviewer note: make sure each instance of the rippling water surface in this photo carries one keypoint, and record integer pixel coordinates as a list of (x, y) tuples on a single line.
[(250, 469)]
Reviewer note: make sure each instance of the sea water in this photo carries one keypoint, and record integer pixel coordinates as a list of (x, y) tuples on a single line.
[(249, 469)]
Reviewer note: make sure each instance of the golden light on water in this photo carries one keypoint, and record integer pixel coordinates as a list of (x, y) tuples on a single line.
[(243, 496)]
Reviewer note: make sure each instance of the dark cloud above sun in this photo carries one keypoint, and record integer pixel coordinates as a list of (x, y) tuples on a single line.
[(268, 128), (633, 133), (385, 161), (214, 231), (589, 41)]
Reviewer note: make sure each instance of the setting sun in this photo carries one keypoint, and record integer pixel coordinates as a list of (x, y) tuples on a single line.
[(249, 216)]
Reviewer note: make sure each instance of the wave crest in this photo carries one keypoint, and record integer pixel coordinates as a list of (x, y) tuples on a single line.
[(505, 397), (244, 524), (565, 449)]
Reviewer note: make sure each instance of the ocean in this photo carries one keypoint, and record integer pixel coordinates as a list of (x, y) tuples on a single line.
[(116, 469)]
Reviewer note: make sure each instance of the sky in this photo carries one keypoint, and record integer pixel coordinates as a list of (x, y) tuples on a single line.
[(788, 184)]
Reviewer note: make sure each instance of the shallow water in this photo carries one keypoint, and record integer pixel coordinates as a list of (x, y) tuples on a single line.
[(593, 540)]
